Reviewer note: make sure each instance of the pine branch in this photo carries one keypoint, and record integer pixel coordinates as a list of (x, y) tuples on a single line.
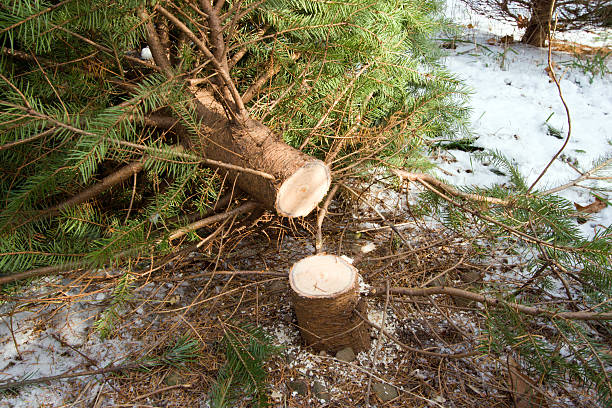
[(222, 70), (589, 175), (28, 139), (106, 49), (514, 231)]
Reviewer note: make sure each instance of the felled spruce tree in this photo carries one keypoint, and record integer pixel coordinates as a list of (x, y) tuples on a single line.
[(104, 154)]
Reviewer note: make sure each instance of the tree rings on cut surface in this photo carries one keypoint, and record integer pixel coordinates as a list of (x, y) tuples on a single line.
[(303, 190), (325, 292)]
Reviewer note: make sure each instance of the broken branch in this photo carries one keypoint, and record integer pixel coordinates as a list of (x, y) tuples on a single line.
[(420, 178), (490, 301)]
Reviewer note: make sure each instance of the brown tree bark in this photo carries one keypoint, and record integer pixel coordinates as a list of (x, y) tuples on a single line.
[(301, 181), (230, 136), (536, 32), (325, 294)]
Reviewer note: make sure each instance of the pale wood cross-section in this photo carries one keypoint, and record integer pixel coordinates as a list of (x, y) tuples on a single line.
[(325, 293)]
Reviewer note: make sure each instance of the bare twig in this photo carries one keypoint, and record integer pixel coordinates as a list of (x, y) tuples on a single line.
[(412, 349), (230, 273), (127, 216), (491, 301), (447, 270), (246, 207), (385, 220), (163, 389), (321, 217), (567, 111), (35, 15), (378, 343)]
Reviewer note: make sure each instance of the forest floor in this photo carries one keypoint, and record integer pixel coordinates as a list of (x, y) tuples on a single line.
[(48, 328)]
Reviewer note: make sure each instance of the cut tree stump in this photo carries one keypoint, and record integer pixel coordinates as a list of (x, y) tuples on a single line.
[(325, 294), (300, 181)]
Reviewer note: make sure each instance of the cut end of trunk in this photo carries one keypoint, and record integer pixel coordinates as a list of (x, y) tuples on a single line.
[(300, 193), (322, 276), (325, 295)]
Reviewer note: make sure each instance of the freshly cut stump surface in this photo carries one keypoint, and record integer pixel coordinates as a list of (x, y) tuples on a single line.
[(325, 294)]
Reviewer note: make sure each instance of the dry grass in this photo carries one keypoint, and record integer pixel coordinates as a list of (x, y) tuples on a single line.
[(579, 49)]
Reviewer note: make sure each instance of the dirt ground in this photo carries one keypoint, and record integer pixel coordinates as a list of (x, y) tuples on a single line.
[(436, 354)]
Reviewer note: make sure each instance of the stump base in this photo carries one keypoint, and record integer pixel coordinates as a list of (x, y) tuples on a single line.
[(325, 294)]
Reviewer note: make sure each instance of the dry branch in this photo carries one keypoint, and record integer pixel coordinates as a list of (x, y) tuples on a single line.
[(420, 178), (321, 217), (491, 301), (69, 374), (378, 343), (244, 208), (117, 177), (46, 270)]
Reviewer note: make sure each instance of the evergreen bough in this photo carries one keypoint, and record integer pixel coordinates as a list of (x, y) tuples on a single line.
[(541, 228), (77, 103)]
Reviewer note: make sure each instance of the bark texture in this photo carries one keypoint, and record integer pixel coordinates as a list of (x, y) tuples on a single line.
[(536, 32), (229, 135), (250, 144), (328, 320)]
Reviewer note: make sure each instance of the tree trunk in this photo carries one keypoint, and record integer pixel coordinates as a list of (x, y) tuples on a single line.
[(295, 182), (536, 32), (300, 181), (325, 292)]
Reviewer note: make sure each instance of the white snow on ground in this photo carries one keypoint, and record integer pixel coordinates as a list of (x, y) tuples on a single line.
[(42, 340), (512, 99), (459, 13)]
